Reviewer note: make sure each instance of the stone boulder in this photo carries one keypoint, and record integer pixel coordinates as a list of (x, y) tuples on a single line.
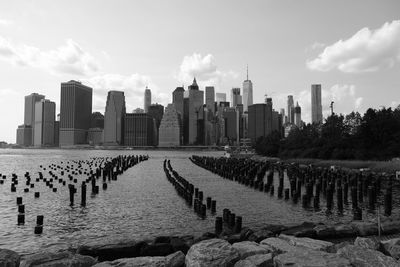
[(309, 243), (260, 235), (210, 253), (9, 258), (392, 247), (390, 227), (259, 260), (344, 230), (324, 231), (277, 245), (112, 251), (62, 259), (176, 259), (232, 238), (359, 256), (250, 248), (179, 244), (157, 249), (307, 258), (306, 229), (276, 229), (365, 242), (246, 233), (365, 228)]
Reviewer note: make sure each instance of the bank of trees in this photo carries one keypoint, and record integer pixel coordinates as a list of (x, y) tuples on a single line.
[(374, 135)]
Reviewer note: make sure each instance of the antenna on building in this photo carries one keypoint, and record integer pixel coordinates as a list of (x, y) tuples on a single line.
[(247, 71), (331, 106)]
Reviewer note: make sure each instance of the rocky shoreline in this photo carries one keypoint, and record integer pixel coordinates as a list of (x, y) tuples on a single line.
[(305, 244)]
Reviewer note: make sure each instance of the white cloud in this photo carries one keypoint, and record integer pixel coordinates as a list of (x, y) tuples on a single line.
[(69, 58), (5, 22), (366, 51), (132, 85), (203, 68)]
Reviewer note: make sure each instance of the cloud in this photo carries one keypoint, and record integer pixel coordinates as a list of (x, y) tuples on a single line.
[(132, 85), (5, 22), (203, 68), (69, 58), (366, 51)]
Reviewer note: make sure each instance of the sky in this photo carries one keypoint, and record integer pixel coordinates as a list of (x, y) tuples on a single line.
[(351, 48)]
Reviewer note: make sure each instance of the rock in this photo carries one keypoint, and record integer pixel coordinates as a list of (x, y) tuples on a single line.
[(9, 258), (250, 248), (390, 227), (277, 245), (305, 229), (309, 243), (365, 228), (324, 231), (176, 259), (210, 253), (158, 249), (344, 230), (245, 233), (392, 247), (162, 239), (359, 256), (306, 258), (341, 245), (233, 238), (62, 259), (365, 242), (112, 251), (260, 260), (134, 262), (178, 244), (276, 229), (260, 235)]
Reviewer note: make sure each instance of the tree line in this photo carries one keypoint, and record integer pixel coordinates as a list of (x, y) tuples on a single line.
[(373, 136)]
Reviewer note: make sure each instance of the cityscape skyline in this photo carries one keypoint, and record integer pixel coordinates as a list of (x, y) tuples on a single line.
[(280, 65)]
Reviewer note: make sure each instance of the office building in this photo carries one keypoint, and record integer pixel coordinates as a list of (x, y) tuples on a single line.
[(316, 106), (195, 113), (169, 131), (297, 115), (95, 136), (282, 113), (290, 109), (140, 130), (236, 98), (114, 118), (29, 113), (220, 97), (75, 113), (210, 99), (260, 119), (24, 135), (97, 120), (156, 111), (45, 115), (57, 133), (147, 99), (178, 96), (247, 92)]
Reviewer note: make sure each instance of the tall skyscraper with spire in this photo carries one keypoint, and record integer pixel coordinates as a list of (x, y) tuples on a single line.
[(147, 99), (195, 112), (247, 92)]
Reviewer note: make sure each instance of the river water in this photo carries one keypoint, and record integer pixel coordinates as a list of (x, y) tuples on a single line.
[(140, 204)]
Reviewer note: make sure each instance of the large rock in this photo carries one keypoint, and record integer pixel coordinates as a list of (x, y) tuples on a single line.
[(392, 247), (308, 258), (179, 244), (277, 245), (157, 249), (305, 229), (62, 259), (390, 227), (365, 242), (210, 253), (176, 259), (246, 233), (112, 251), (260, 260), (249, 248), (276, 229), (260, 235), (366, 257), (344, 230), (9, 258), (309, 243), (324, 231), (365, 228)]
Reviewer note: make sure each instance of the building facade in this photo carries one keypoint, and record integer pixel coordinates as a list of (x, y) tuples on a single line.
[(29, 113), (297, 115), (140, 130), (247, 93), (75, 113), (290, 109), (195, 112), (97, 120), (24, 135), (156, 111), (169, 131), (147, 99), (45, 115), (236, 98), (316, 106), (114, 118), (260, 119)]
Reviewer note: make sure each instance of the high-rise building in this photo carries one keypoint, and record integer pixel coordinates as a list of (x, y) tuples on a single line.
[(195, 112), (147, 99), (282, 113), (220, 97), (75, 113), (260, 118), (140, 130), (290, 109), (156, 111), (178, 101), (29, 113), (236, 98), (45, 115), (210, 99), (297, 115), (114, 118), (24, 135), (247, 92), (316, 107), (169, 131), (97, 120)]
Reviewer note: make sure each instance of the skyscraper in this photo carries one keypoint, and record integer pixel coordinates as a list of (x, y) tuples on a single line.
[(220, 97), (169, 131), (178, 101), (297, 115), (210, 99), (195, 111), (247, 92), (290, 109), (316, 107), (114, 118), (45, 116), (156, 111), (236, 98), (29, 113), (75, 113), (147, 99), (139, 130)]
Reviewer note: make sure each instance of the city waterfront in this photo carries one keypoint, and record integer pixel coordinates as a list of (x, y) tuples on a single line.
[(140, 204)]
